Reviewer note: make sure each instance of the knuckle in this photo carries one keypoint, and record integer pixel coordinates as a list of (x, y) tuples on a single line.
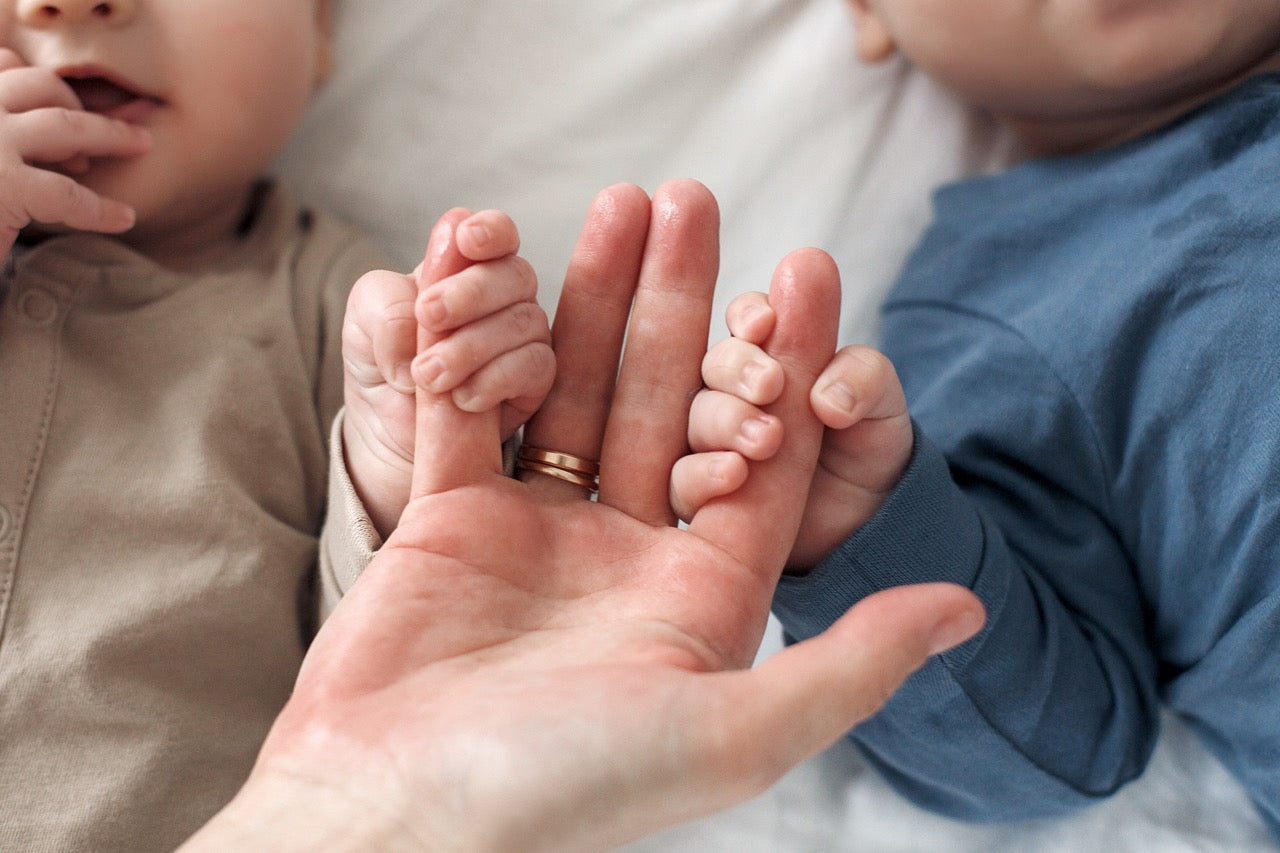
[(363, 373), (360, 290), (75, 197), (527, 279), (460, 353), (718, 365), (73, 121), (468, 288), (372, 283), (354, 336), (528, 320), (541, 362), (869, 366)]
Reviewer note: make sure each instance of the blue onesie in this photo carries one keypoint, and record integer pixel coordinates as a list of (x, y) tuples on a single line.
[(1090, 347)]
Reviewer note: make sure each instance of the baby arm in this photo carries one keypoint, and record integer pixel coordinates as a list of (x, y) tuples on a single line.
[(865, 450), (44, 129), (1065, 617), (494, 349)]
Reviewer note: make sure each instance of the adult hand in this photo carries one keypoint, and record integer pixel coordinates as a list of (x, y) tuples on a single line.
[(521, 668)]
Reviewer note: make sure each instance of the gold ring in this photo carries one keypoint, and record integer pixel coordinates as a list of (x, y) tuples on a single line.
[(556, 459), (562, 466), (588, 483)]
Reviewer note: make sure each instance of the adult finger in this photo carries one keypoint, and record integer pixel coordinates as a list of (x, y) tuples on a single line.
[(805, 697), (666, 339), (588, 330), (452, 448), (758, 523)]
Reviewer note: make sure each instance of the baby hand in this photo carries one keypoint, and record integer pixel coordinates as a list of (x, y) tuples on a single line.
[(494, 349), (43, 128), (865, 449)]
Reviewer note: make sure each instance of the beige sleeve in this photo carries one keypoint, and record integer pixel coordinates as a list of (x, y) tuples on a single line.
[(348, 540)]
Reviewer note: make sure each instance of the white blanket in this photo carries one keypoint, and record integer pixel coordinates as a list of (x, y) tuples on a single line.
[(532, 107)]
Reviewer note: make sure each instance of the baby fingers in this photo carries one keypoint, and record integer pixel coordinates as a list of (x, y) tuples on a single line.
[(477, 292), (751, 317), (719, 421), (701, 477), (519, 379), (859, 383), (380, 332), (460, 355), (741, 368), (55, 134), (869, 440), (487, 235), (25, 87), (49, 198)]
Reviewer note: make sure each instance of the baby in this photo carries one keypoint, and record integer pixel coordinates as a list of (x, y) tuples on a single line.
[(1086, 348), (168, 394)]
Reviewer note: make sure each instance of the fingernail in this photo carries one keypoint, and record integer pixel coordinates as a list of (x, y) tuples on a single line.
[(754, 313), (480, 233), (840, 396), (429, 371), (751, 376), (464, 398), (435, 313), (754, 428), (955, 630)]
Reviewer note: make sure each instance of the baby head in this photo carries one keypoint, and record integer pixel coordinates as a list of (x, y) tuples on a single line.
[(1077, 74), (219, 84)]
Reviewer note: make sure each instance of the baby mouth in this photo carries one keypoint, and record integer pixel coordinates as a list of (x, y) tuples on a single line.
[(100, 95)]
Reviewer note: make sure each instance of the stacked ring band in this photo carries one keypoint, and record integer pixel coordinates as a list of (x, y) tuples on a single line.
[(562, 466)]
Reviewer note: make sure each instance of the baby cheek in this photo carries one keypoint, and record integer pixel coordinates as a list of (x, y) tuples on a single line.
[(254, 115)]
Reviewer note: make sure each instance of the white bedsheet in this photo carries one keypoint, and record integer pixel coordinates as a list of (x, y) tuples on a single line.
[(532, 107)]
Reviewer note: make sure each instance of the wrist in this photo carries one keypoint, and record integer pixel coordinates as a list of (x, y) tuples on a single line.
[(381, 485)]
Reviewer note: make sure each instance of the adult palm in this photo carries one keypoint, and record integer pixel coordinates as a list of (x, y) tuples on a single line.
[(521, 668)]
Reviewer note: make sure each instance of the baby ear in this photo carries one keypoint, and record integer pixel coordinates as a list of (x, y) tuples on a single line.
[(872, 41)]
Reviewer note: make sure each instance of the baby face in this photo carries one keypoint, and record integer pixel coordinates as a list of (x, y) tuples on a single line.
[(1073, 59), (220, 84)]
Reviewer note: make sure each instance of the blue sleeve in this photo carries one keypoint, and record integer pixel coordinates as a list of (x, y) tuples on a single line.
[(1054, 705)]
